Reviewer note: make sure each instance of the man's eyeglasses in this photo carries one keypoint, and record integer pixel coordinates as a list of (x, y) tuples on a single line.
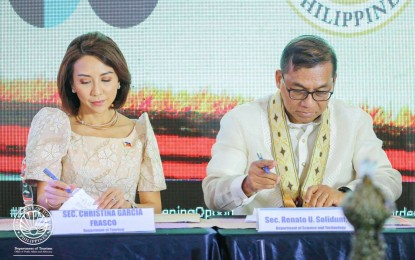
[(298, 94)]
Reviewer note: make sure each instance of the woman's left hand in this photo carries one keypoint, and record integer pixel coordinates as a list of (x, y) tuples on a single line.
[(113, 198)]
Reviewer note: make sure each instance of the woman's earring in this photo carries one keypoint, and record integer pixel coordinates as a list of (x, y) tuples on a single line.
[(73, 91), (119, 86)]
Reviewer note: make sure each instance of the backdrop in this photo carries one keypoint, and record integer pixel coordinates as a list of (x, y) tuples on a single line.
[(192, 61)]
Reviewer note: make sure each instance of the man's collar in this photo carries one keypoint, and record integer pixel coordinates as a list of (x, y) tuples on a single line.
[(316, 122)]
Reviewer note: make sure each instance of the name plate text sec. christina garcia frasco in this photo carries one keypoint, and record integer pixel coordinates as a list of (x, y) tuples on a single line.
[(302, 220), (103, 221)]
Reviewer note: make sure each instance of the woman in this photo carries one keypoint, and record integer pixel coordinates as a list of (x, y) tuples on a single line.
[(89, 144)]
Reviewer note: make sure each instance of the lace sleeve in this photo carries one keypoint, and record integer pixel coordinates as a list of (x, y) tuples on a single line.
[(152, 176), (47, 143)]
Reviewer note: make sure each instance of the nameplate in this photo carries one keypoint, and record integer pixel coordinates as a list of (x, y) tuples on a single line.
[(302, 220), (102, 221)]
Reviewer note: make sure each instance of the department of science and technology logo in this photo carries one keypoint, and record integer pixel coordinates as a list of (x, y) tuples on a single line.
[(348, 17), (33, 225)]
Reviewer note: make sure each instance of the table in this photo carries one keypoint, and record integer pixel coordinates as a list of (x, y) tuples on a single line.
[(206, 243), (194, 243), (250, 244)]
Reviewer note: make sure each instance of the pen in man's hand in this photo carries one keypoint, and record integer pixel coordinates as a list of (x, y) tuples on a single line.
[(50, 174), (265, 167)]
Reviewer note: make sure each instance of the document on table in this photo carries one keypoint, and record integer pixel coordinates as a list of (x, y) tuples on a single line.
[(252, 218), (79, 200), (175, 218), (6, 224), (399, 222)]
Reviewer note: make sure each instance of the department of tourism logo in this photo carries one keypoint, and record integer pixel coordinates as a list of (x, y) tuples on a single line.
[(348, 17), (33, 225)]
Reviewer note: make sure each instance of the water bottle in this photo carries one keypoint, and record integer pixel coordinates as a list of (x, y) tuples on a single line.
[(27, 191)]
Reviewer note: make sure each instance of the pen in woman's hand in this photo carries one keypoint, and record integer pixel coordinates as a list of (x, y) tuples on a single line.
[(50, 174), (265, 167)]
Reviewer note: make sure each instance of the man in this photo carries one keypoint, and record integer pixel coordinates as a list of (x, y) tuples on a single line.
[(313, 145)]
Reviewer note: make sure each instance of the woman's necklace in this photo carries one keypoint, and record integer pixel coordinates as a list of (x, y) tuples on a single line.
[(110, 123)]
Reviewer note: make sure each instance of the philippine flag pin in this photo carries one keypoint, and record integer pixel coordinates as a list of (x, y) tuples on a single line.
[(127, 144)]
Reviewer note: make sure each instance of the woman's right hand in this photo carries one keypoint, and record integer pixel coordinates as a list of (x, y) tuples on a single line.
[(54, 193)]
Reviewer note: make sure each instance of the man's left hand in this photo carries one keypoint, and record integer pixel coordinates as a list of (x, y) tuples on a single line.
[(322, 196)]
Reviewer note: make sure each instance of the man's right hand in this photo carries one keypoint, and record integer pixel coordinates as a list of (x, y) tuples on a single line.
[(258, 179)]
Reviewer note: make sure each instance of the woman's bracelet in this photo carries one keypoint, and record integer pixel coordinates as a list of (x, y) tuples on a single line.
[(51, 205)]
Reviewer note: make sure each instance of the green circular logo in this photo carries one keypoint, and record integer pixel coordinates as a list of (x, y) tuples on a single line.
[(348, 17), (349, 2)]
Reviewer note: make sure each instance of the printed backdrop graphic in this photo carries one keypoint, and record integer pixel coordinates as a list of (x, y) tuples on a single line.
[(192, 61)]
